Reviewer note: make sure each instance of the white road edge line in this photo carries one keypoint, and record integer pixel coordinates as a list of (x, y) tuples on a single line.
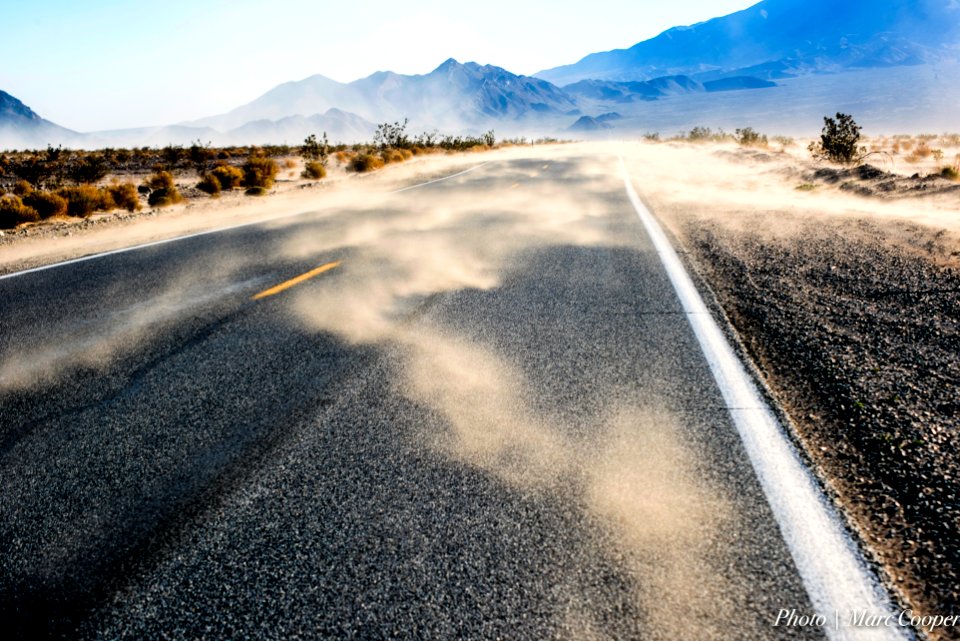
[(837, 579), (436, 180), (155, 243)]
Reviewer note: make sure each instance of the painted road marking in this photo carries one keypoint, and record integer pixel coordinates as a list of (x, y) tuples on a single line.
[(831, 566), (296, 281), (436, 180)]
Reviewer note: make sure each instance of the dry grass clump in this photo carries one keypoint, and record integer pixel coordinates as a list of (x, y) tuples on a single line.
[(84, 200), (124, 195), (163, 192), (365, 162), (210, 185), (46, 204), (228, 176), (259, 171), (314, 170), (13, 212)]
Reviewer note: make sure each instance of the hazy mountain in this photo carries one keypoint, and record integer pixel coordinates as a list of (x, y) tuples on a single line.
[(21, 127), (785, 38), (453, 96)]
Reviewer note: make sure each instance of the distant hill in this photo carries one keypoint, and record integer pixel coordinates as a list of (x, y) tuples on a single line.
[(21, 127), (606, 91), (782, 39), (453, 96)]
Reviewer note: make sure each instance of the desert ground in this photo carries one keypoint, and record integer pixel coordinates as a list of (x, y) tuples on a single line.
[(842, 286)]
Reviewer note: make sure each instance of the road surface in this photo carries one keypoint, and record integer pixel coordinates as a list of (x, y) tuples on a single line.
[(473, 409)]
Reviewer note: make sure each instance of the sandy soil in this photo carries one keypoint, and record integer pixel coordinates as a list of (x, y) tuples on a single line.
[(61, 239), (847, 297)]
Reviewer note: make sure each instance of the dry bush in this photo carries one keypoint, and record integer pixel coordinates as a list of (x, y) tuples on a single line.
[(256, 191), (84, 200), (124, 196), (259, 171), (365, 162), (392, 155), (289, 163), (921, 152), (46, 204), (160, 180), (314, 169), (210, 185), (228, 176), (22, 188), (13, 212), (344, 157), (163, 192)]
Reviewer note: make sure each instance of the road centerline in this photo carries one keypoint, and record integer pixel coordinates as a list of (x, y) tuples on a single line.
[(287, 284)]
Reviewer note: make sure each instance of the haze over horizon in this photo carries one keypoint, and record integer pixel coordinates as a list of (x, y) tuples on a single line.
[(107, 65)]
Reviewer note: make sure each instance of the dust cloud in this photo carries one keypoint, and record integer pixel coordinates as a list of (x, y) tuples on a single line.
[(633, 470)]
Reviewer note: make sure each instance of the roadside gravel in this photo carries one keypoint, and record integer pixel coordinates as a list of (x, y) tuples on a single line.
[(855, 324)]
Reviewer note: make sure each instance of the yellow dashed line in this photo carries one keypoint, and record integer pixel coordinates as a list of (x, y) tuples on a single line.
[(296, 281)]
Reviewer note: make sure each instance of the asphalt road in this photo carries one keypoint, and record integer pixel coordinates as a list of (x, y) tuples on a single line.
[(486, 417)]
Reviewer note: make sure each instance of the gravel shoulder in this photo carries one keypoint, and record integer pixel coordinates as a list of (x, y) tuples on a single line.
[(846, 295)]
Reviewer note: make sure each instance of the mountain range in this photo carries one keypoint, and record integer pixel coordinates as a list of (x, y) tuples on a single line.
[(782, 39), (775, 61)]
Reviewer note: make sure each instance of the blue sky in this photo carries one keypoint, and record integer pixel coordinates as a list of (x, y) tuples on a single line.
[(109, 64)]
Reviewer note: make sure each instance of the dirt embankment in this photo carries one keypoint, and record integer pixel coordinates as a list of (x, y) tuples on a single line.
[(851, 310)]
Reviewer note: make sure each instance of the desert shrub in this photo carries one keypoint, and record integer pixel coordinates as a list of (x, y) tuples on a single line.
[(200, 156), (228, 176), (210, 185), (22, 188), (83, 200), (314, 169), (700, 134), (164, 197), (784, 141), (259, 171), (46, 204), (315, 150), (394, 135), (839, 141), (256, 191), (124, 196), (89, 169), (13, 212), (747, 137), (365, 162), (391, 155), (343, 157), (950, 173), (160, 180), (653, 136)]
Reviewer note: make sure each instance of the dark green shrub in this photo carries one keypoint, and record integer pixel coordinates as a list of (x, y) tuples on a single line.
[(13, 212), (839, 141), (950, 173), (256, 191), (210, 185), (365, 162), (314, 149), (228, 176), (124, 196), (314, 169), (46, 204), (259, 171)]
